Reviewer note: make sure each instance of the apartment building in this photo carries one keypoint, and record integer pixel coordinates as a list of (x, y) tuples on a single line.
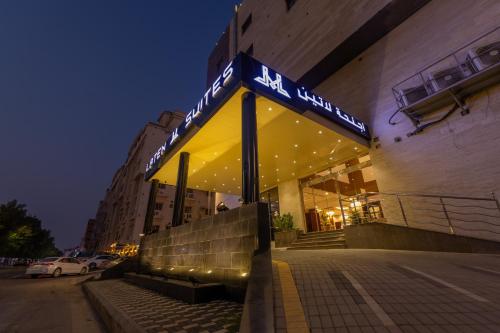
[(121, 214)]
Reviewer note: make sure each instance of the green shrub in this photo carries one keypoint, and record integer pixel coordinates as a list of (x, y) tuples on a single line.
[(284, 222)]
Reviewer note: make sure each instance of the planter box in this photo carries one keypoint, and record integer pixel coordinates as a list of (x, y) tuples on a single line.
[(285, 238)]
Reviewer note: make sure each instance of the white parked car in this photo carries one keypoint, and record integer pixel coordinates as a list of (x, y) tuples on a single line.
[(56, 266), (99, 261)]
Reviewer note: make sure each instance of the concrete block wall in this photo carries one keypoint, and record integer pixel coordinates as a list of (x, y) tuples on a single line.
[(458, 156), (217, 248), (293, 41)]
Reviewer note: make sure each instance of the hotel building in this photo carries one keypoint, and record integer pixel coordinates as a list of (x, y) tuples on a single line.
[(415, 141)]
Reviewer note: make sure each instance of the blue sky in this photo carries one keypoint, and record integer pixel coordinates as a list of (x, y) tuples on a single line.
[(78, 80)]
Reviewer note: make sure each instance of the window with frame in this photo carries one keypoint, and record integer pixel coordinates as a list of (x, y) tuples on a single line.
[(158, 206), (246, 24), (290, 3), (249, 51)]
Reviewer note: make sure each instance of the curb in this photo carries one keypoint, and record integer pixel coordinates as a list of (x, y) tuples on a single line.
[(115, 320)]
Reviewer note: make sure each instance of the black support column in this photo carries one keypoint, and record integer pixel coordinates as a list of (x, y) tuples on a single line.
[(249, 150), (180, 190), (150, 212)]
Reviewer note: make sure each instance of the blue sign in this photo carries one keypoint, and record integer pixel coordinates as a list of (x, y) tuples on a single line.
[(266, 81), (248, 72)]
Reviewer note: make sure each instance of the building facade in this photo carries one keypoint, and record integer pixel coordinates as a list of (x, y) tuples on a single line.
[(121, 214), (365, 56)]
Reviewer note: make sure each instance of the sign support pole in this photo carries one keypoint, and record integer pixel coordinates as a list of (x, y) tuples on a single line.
[(148, 221), (180, 189), (249, 150)]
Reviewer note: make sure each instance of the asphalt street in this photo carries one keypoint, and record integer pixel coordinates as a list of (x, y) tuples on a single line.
[(44, 304)]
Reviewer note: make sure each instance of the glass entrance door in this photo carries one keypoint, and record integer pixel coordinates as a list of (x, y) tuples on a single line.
[(332, 197)]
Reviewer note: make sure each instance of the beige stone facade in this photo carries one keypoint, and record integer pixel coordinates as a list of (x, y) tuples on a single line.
[(121, 214), (458, 156)]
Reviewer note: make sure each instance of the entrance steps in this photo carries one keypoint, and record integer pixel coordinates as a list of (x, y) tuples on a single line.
[(319, 240)]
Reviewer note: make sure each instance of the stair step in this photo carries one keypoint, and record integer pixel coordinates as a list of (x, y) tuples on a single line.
[(317, 244), (317, 247), (335, 236), (319, 240), (313, 233)]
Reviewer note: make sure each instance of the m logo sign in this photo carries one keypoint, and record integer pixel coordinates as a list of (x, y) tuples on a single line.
[(275, 84)]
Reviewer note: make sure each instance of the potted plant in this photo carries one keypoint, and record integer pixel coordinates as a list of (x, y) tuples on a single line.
[(285, 232)]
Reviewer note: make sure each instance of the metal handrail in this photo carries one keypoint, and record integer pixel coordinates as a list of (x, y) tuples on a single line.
[(454, 218)]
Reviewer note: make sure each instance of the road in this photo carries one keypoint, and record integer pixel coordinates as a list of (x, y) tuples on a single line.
[(44, 304)]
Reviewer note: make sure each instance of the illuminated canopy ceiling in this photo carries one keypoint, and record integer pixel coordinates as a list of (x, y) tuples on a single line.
[(296, 133)]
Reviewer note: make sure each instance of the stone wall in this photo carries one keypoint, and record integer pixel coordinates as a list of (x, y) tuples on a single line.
[(217, 248), (387, 236)]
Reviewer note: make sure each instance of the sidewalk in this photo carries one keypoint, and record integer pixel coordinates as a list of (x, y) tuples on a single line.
[(391, 291), (141, 310)]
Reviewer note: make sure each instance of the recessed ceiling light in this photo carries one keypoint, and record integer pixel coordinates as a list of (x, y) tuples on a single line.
[(225, 167), (320, 132), (194, 170), (204, 162), (215, 153), (260, 164), (275, 156), (205, 181), (297, 121), (339, 140), (326, 193), (213, 189), (296, 145), (234, 178), (223, 184), (265, 185), (270, 108), (239, 187), (239, 159), (262, 176), (197, 186), (355, 148), (293, 173), (294, 161), (277, 179), (314, 152), (277, 169), (331, 158), (215, 175), (310, 167)]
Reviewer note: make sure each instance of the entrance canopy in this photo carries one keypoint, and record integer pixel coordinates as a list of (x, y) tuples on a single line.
[(298, 132)]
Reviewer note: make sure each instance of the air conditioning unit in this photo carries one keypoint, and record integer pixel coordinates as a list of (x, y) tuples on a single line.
[(412, 95), (484, 56), (446, 77)]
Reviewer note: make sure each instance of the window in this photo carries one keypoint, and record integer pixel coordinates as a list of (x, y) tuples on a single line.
[(290, 3), (249, 51), (246, 24), (158, 206), (219, 65), (188, 209), (162, 186), (171, 204)]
